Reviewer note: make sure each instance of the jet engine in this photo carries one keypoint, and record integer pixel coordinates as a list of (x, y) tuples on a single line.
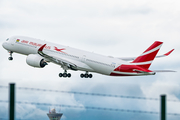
[(35, 60)]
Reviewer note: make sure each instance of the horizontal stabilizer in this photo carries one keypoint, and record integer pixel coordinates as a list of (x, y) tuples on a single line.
[(140, 71), (164, 71), (147, 73)]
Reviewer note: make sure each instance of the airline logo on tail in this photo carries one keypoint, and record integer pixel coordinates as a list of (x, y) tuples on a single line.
[(141, 64), (146, 58)]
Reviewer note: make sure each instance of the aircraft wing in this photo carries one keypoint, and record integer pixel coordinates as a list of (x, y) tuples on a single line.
[(159, 56), (57, 60)]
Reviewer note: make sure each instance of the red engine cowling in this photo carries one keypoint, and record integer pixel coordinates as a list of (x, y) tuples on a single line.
[(35, 60)]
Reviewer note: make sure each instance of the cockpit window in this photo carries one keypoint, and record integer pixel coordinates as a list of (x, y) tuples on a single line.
[(7, 39)]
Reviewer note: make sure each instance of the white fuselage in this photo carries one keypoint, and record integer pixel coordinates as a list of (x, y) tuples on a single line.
[(86, 61)]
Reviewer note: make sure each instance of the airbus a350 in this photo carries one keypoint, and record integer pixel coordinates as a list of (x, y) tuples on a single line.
[(40, 52)]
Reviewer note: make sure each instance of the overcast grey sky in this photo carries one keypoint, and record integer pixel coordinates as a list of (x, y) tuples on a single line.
[(117, 28)]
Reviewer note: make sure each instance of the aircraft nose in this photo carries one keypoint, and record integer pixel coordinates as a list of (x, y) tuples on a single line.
[(4, 45)]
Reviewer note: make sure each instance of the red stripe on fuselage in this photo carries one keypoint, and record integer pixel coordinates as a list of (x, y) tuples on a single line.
[(130, 68), (145, 66), (117, 74)]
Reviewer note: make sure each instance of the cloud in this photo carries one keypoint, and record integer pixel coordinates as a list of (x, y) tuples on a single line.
[(116, 28)]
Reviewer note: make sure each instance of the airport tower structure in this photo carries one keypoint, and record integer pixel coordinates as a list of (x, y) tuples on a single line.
[(53, 115)]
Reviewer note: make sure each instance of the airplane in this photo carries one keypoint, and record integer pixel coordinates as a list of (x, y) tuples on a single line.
[(40, 53)]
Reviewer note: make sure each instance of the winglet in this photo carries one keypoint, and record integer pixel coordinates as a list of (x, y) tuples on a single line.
[(41, 48), (169, 52)]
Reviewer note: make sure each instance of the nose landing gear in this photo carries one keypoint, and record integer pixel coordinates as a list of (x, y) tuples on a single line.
[(10, 58)]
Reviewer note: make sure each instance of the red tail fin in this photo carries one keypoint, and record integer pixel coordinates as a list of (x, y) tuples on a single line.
[(146, 58)]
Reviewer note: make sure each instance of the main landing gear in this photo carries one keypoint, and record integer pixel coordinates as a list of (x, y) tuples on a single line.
[(65, 74), (10, 58), (86, 75)]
